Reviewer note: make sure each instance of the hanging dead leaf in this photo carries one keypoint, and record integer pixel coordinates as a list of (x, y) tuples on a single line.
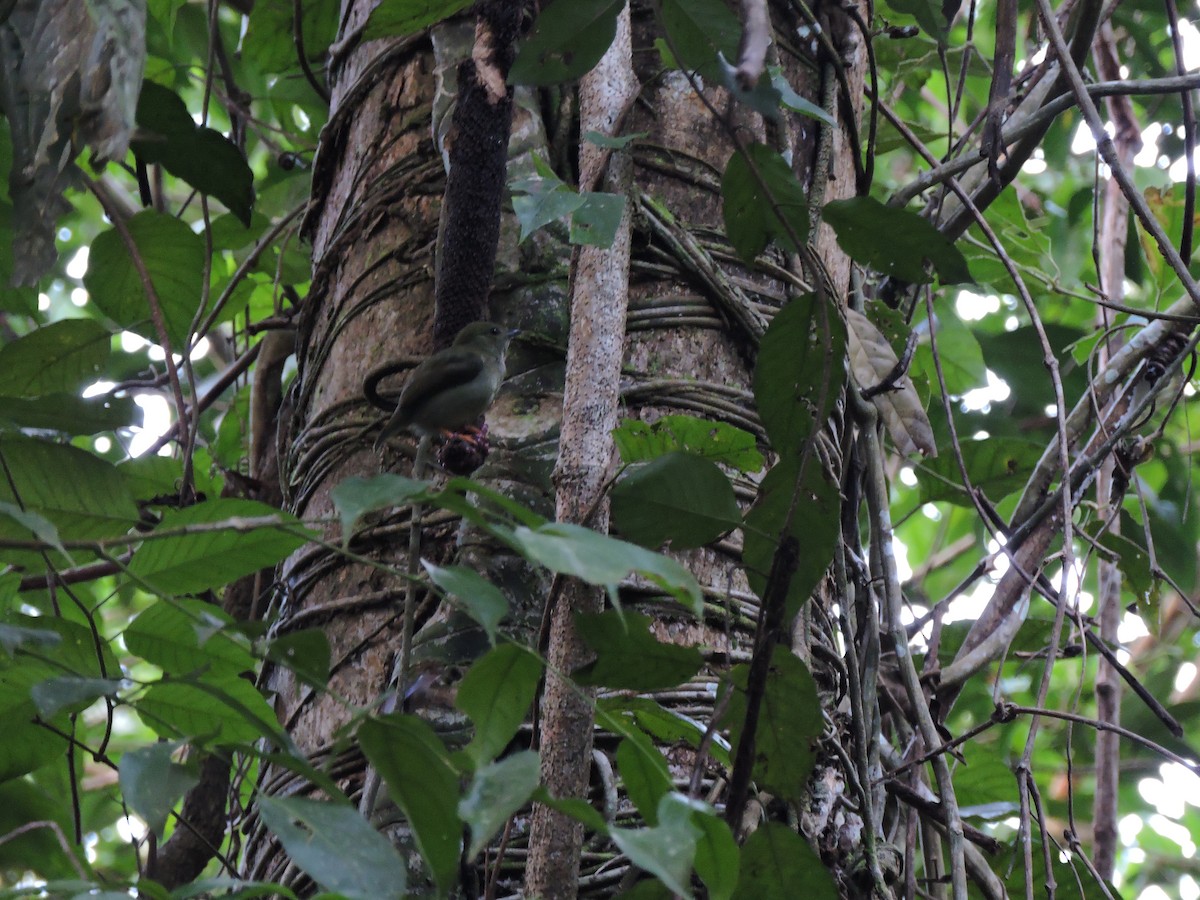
[(872, 360)]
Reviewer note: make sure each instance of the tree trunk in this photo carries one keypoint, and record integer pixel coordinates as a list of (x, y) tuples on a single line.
[(695, 319)]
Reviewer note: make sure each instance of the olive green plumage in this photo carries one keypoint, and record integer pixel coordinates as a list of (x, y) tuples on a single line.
[(455, 386)]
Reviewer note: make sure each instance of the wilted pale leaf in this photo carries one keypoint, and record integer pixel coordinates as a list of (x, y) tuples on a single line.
[(70, 72), (871, 361)]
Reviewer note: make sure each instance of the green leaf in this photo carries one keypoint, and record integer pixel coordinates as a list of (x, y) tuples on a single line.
[(471, 592), (645, 773), (679, 498), (337, 847), (496, 792), (81, 495), (174, 258), (568, 39), (26, 746), (186, 636), (396, 18), (601, 560), (668, 850), (639, 441), (70, 413), (15, 637), (894, 242), (151, 782), (800, 371), (189, 563), (39, 526), (217, 710), (717, 857), (78, 694), (546, 201), (576, 807), (59, 357), (778, 864), (789, 724), (762, 206), (414, 764), (37, 850), (204, 158), (628, 657), (697, 30), (1134, 563), (496, 693), (306, 653), (55, 647), (597, 218), (997, 465), (270, 33), (355, 497), (959, 352)]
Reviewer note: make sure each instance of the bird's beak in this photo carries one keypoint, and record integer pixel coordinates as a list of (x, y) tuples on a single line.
[(512, 333)]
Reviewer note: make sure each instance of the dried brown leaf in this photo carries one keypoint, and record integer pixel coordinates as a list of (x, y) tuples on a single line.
[(872, 360)]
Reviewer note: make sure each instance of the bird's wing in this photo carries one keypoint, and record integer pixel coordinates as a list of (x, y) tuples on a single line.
[(454, 367)]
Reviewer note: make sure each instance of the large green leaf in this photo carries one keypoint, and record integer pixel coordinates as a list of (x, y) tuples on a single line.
[(720, 442), (496, 792), (644, 771), (173, 256), (70, 413), (678, 498), (185, 636), (800, 371), (471, 592), (81, 495), (217, 710), (58, 357), (152, 782), (305, 652), (699, 30), (396, 18), (669, 849), (894, 241), (789, 724), (763, 200), (356, 497), (221, 547), (496, 694), (337, 847), (40, 651), (778, 864), (415, 766), (629, 657), (717, 859), (201, 156), (568, 38), (601, 560), (813, 504), (996, 465)]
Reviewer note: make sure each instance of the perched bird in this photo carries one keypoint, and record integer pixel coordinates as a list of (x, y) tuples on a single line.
[(454, 387)]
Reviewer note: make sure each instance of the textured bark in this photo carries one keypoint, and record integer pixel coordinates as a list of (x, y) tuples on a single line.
[(372, 223), (599, 299)]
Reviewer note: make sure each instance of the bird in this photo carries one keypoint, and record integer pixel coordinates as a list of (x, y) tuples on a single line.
[(453, 387)]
